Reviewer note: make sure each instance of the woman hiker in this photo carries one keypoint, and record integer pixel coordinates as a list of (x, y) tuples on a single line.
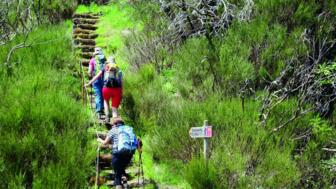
[(112, 89), (97, 62)]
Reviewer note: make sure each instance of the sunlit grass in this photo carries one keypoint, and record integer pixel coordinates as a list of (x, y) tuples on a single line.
[(169, 173)]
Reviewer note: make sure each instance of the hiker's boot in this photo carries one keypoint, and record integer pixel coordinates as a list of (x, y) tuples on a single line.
[(107, 119)]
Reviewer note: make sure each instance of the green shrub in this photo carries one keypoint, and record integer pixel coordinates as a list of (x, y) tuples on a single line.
[(43, 127), (201, 80), (200, 175), (192, 76)]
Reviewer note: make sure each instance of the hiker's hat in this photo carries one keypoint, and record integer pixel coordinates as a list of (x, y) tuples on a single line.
[(97, 50), (117, 120)]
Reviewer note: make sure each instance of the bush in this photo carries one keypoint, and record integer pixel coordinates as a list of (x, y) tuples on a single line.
[(200, 175), (43, 128), (192, 76), (201, 80)]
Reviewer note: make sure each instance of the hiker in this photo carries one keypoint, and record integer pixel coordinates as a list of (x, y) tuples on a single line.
[(96, 64), (124, 144), (112, 89)]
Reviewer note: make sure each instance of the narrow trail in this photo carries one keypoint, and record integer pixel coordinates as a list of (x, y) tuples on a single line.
[(84, 35)]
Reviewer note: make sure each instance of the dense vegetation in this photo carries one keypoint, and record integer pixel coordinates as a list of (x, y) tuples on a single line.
[(265, 81), (262, 72), (44, 143)]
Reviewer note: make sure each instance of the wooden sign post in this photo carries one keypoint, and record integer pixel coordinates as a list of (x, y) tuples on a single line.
[(204, 132)]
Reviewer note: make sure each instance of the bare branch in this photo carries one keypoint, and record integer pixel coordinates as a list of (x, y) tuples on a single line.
[(303, 79), (329, 149)]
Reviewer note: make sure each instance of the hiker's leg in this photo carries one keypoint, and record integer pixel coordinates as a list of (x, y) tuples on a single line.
[(101, 99), (116, 100), (117, 166), (107, 96), (127, 158), (114, 112), (99, 96), (107, 113)]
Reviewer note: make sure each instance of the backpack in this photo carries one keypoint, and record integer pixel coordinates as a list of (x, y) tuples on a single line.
[(127, 140), (111, 76)]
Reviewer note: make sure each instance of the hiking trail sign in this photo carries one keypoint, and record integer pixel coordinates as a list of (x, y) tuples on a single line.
[(201, 132), (204, 132)]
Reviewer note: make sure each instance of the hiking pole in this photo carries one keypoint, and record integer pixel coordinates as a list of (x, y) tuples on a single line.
[(142, 172), (83, 82), (91, 97), (139, 171), (97, 168), (140, 167)]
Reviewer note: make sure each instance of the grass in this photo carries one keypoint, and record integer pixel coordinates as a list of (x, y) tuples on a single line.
[(43, 126), (163, 173)]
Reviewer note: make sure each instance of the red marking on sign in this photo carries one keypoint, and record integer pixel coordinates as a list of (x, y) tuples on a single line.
[(201, 132), (208, 132)]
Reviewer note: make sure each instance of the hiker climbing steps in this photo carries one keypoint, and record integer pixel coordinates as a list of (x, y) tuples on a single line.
[(84, 36)]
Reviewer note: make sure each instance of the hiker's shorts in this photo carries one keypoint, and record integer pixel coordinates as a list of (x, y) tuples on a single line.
[(114, 94)]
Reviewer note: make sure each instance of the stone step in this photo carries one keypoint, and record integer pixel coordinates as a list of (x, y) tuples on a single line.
[(86, 48), (86, 15), (85, 41), (83, 31), (85, 62), (135, 184), (85, 20), (86, 26), (101, 180), (86, 55), (85, 36), (106, 157)]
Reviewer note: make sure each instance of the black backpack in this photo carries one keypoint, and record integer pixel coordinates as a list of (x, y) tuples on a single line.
[(111, 77)]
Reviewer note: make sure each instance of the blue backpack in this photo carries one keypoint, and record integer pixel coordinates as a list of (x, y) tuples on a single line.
[(127, 139)]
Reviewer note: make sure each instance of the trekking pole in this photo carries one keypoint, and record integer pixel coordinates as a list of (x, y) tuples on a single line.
[(97, 169), (139, 170), (142, 172), (82, 80), (140, 167), (91, 98)]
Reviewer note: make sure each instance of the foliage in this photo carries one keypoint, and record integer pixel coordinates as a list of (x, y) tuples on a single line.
[(200, 175), (43, 127), (328, 73), (201, 78), (54, 11)]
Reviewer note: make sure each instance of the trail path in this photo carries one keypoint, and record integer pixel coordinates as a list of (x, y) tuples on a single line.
[(84, 35)]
